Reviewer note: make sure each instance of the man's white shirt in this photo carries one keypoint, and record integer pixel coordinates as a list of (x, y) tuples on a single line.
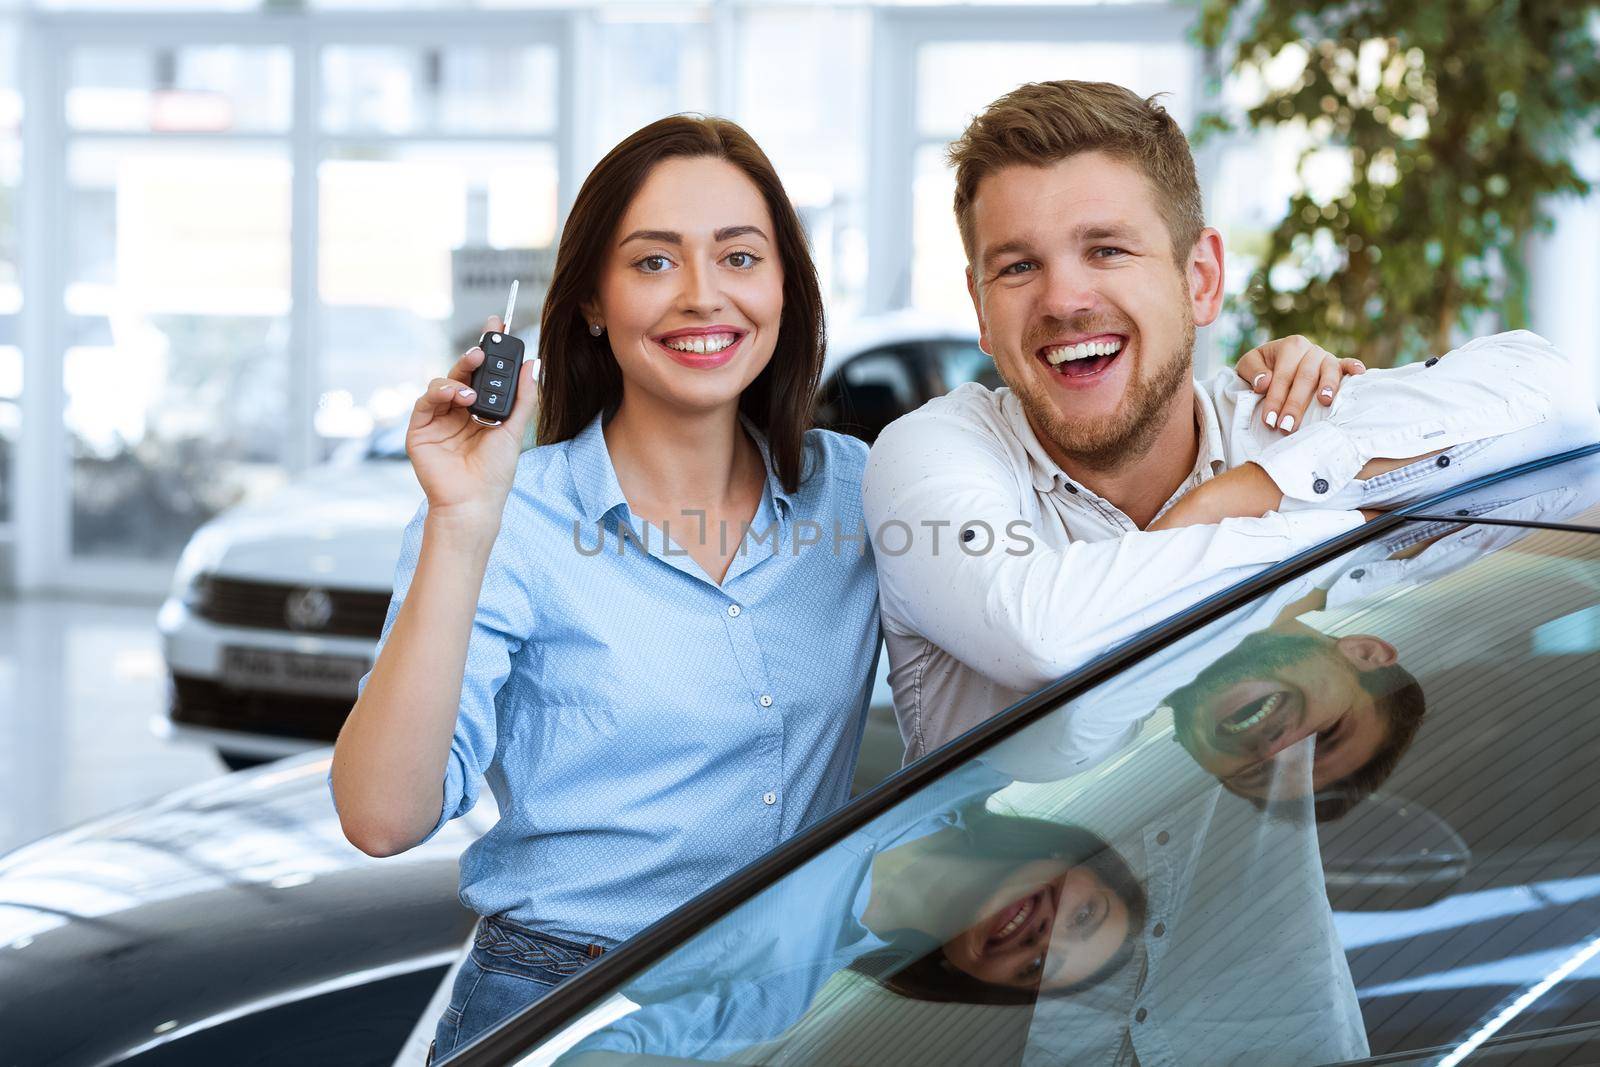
[(998, 574)]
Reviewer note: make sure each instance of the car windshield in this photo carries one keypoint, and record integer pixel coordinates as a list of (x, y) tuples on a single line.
[(1353, 817)]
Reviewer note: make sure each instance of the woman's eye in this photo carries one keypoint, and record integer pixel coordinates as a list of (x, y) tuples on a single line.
[(742, 260), (653, 264)]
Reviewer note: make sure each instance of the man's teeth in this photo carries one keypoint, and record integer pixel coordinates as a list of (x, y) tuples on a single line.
[(1062, 353), (1016, 922), (701, 345), (1268, 706)]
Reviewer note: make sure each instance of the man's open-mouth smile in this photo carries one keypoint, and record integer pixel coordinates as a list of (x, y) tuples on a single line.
[(1253, 716), (1082, 360)]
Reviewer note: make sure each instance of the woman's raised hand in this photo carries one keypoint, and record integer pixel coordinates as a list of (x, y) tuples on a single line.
[(466, 468)]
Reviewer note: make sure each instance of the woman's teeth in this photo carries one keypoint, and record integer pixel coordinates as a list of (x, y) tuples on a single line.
[(1235, 725), (1062, 353), (1016, 922), (701, 345)]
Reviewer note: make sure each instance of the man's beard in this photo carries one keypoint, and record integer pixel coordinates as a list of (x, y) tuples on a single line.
[(1107, 443)]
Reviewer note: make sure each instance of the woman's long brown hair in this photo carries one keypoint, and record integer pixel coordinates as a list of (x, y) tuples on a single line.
[(580, 377)]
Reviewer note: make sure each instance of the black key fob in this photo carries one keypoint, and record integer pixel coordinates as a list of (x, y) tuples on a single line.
[(496, 378)]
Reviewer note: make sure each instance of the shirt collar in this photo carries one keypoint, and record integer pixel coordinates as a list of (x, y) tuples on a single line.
[(780, 495), (1042, 470), (1047, 475), (595, 478)]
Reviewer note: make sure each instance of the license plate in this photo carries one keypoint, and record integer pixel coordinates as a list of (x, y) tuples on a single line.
[(292, 672)]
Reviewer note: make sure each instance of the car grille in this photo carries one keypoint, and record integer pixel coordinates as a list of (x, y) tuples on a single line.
[(202, 702), (264, 606)]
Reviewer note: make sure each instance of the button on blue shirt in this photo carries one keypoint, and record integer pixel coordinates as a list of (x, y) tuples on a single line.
[(645, 731)]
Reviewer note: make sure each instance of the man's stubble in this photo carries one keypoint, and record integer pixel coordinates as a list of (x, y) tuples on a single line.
[(1106, 444)]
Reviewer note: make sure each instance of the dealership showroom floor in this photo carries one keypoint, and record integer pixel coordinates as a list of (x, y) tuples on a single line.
[(83, 681)]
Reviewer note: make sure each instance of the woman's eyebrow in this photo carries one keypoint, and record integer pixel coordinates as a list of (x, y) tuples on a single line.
[(672, 237)]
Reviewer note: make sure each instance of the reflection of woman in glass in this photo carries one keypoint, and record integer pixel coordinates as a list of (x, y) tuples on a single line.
[(1055, 911), (963, 907), (629, 631)]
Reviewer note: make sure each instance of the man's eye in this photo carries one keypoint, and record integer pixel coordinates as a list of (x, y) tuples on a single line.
[(1020, 267), (742, 260), (653, 264), (1107, 251)]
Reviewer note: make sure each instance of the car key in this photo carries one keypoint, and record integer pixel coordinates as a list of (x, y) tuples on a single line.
[(496, 377)]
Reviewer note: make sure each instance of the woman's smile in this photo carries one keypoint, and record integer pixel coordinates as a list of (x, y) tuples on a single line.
[(702, 347)]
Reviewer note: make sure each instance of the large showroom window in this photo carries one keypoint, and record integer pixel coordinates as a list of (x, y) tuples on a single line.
[(426, 149), (242, 252), (176, 287), (10, 289), (938, 68)]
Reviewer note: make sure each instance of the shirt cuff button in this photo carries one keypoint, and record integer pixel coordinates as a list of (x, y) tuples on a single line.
[(1319, 486), (1430, 361), (1443, 461)]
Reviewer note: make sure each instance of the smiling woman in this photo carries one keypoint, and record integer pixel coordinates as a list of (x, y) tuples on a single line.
[(649, 721), (705, 169)]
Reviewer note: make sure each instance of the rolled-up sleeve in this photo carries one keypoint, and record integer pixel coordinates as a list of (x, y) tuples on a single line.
[(501, 603), (1489, 388)]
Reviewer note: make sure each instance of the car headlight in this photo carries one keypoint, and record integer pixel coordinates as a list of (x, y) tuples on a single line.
[(200, 557)]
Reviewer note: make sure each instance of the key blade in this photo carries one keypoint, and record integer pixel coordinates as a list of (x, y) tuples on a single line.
[(511, 305)]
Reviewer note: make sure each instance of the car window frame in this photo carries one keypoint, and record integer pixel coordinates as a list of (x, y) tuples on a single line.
[(517, 1035)]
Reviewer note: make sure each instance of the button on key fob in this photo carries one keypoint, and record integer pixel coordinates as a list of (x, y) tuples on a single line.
[(495, 380)]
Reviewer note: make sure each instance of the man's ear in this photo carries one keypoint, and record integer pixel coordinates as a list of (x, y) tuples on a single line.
[(1367, 653), (977, 308), (1204, 275)]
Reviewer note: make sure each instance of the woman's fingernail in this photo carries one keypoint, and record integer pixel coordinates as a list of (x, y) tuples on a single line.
[(1255, 383), (1272, 418), (1327, 394), (1288, 423), (469, 393)]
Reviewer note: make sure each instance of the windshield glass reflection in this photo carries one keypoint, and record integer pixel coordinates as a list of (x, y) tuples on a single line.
[(1150, 872)]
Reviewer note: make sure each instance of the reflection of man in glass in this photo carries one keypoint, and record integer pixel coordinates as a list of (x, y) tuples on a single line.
[(1289, 683)]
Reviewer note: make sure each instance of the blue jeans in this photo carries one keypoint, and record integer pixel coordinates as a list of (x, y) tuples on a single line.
[(508, 968)]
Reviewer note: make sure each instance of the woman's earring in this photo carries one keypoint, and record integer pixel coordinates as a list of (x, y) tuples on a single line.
[(596, 329)]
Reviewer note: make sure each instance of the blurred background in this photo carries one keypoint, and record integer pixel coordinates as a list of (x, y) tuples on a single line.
[(237, 238)]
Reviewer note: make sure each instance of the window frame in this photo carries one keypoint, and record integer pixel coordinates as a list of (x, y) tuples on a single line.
[(43, 484)]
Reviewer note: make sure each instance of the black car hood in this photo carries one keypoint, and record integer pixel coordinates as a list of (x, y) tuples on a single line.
[(192, 908)]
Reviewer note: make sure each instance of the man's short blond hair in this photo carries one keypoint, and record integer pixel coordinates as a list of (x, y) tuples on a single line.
[(1041, 123)]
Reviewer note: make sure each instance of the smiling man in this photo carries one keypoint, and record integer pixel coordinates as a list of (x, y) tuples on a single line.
[(1244, 717), (1024, 530)]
